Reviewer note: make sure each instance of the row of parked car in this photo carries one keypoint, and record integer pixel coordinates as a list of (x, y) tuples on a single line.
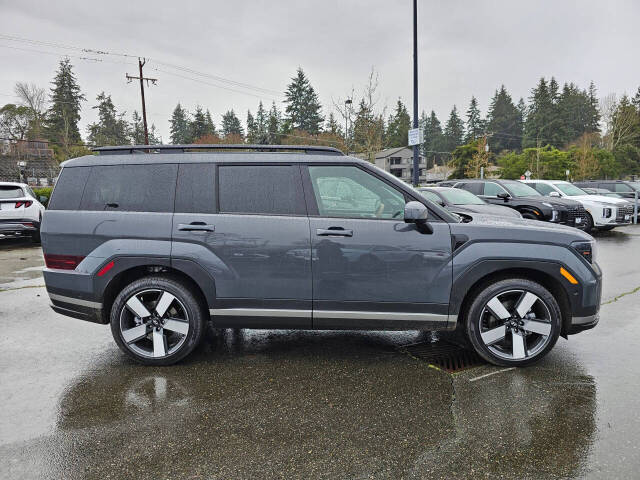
[(601, 205)]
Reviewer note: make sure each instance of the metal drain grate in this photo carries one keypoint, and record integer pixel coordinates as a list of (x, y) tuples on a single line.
[(445, 355)]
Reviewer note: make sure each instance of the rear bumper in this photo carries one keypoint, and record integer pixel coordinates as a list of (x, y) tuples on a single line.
[(71, 294), (19, 226)]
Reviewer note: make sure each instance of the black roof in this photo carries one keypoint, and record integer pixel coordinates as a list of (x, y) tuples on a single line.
[(213, 148)]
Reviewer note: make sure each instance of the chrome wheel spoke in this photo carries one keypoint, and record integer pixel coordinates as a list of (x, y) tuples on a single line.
[(494, 335), (159, 343), (137, 307), (134, 334), (175, 325), (525, 304), (498, 309), (535, 326), (519, 350), (166, 299)]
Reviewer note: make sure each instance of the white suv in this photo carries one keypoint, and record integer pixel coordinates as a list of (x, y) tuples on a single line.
[(603, 213), (20, 211)]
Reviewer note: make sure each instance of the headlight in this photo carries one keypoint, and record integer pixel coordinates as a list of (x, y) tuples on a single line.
[(586, 249)]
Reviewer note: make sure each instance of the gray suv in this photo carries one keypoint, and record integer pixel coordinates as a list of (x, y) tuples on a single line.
[(159, 242)]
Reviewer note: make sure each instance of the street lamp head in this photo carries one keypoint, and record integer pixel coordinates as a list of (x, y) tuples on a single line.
[(348, 101)]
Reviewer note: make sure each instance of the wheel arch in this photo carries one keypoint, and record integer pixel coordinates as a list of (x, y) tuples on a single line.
[(475, 282), (186, 271)]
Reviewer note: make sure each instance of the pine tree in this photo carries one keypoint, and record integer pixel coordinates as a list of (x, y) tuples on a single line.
[(475, 125), (111, 128), (252, 131), (398, 127), (453, 131), (262, 136), (179, 126), (303, 109), (200, 125), (504, 122), (137, 131), (64, 114), (332, 125), (594, 110), (274, 122), (231, 125), (433, 145), (542, 116), (211, 128)]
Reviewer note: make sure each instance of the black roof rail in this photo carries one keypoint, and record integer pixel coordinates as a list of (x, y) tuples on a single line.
[(213, 148)]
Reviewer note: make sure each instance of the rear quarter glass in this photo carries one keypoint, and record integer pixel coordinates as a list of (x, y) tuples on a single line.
[(67, 193)]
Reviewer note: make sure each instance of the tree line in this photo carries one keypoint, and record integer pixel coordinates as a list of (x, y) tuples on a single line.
[(557, 128)]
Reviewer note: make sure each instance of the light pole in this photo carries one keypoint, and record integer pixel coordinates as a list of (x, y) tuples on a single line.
[(416, 155), (347, 107)]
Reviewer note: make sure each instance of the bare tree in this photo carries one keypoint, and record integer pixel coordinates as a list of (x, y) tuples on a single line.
[(620, 119), (35, 99)]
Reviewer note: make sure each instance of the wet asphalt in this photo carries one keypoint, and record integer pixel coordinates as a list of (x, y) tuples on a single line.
[(335, 405)]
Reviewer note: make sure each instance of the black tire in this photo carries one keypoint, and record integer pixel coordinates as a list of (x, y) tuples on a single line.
[(194, 307), (588, 223), (478, 313)]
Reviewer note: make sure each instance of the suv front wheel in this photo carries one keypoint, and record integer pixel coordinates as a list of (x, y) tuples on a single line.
[(513, 322), (157, 320)]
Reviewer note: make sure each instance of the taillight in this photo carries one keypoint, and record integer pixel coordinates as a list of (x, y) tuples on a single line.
[(62, 262), (26, 204)]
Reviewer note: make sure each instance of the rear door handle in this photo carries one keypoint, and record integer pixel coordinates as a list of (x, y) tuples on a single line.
[(334, 232), (196, 227)]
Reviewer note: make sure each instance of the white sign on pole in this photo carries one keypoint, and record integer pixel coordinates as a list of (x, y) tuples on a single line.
[(416, 136), (527, 175)]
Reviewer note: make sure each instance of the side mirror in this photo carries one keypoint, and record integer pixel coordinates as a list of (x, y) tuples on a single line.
[(504, 195), (415, 212), (554, 194)]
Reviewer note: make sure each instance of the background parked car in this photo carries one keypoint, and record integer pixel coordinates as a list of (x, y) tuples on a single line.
[(20, 211), (601, 191), (461, 201), (527, 201), (622, 187), (603, 213)]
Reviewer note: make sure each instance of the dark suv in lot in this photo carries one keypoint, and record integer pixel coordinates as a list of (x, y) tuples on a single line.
[(157, 244), (528, 201)]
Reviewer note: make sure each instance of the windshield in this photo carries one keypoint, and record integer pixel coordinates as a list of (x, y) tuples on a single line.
[(518, 189), (635, 185), (569, 189), (461, 197)]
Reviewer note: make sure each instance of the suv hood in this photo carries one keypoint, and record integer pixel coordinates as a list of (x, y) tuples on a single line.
[(510, 228), (602, 199), (485, 210), (563, 202)]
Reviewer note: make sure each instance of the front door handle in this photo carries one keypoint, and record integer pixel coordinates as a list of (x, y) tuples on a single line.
[(334, 232), (196, 227)]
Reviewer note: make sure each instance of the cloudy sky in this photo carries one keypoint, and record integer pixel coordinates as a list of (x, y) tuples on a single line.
[(466, 47)]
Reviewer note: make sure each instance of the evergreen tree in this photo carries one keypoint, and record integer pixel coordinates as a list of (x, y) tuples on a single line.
[(332, 125), (475, 125), (200, 125), (575, 114), (231, 124), (594, 110), (453, 131), (211, 128), (64, 114), (398, 127), (274, 122), (179, 126), (252, 130), (541, 125), (111, 128), (137, 131), (433, 145), (262, 136), (303, 107), (504, 122)]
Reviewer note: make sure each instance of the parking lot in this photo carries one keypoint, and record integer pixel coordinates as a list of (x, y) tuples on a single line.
[(284, 404)]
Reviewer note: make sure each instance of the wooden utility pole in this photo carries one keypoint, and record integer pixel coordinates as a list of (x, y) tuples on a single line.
[(142, 79)]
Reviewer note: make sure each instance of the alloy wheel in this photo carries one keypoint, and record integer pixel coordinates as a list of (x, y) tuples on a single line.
[(515, 325), (154, 323)]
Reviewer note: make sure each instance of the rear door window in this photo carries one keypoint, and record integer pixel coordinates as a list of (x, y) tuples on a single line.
[(195, 191), (130, 188), (260, 189), (67, 192)]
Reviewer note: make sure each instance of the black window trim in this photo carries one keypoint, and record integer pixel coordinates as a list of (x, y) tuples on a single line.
[(254, 164)]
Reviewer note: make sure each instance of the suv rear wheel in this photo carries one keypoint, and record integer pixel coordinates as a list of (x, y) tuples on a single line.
[(513, 322), (157, 320)]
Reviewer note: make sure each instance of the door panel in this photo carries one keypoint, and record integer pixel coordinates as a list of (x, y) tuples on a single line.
[(374, 271)]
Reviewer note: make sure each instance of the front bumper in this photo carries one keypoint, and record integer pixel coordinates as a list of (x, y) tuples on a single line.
[(579, 324)]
